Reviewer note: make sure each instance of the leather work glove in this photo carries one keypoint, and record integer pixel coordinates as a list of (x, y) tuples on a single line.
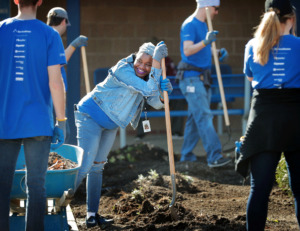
[(79, 41), (165, 85), (160, 51), (211, 36), (59, 134), (223, 54)]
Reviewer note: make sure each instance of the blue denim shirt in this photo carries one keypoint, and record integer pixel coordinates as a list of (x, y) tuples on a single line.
[(121, 94)]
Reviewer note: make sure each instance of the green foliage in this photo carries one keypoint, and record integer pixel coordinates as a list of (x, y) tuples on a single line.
[(282, 177), (141, 178), (112, 160), (188, 179), (137, 195), (153, 174), (130, 157), (274, 220)]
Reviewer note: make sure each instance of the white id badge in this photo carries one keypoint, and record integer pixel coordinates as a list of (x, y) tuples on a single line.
[(146, 126), (190, 89)]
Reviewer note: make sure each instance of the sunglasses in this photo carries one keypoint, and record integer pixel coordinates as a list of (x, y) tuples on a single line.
[(216, 8)]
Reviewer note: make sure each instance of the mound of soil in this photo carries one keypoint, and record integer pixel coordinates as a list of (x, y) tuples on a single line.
[(137, 192)]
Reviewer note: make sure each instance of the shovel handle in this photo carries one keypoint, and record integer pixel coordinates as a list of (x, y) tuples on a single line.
[(168, 121), (217, 65), (85, 70)]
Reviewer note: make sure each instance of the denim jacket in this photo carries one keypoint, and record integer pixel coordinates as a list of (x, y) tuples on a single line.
[(121, 94)]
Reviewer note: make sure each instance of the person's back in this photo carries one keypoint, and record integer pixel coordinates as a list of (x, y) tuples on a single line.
[(24, 56), (271, 64), (30, 57), (283, 65)]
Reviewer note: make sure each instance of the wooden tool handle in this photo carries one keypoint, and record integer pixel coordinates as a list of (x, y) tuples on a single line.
[(217, 65), (85, 70), (168, 121)]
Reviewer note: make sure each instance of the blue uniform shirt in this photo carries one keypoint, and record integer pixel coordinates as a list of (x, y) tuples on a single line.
[(27, 48), (194, 30), (282, 69)]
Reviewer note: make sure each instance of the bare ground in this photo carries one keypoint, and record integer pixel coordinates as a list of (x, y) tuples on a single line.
[(137, 192)]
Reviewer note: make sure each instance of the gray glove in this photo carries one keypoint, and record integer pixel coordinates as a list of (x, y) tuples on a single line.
[(210, 37), (79, 41), (160, 51)]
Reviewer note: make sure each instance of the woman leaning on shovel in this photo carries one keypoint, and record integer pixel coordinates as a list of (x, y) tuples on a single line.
[(272, 65), (113, 103)]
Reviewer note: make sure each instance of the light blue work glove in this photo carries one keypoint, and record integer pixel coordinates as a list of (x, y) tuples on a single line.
[(160, 51), (59, 134), (211, 36), (80, 41), (223, 54), (165, 85)]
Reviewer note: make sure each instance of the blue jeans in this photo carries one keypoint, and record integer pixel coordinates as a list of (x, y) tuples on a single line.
[(36, 151), (262, 173), (199, 124), (96, 142)]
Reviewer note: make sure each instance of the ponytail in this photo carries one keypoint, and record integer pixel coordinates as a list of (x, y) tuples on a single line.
[(267, 35)]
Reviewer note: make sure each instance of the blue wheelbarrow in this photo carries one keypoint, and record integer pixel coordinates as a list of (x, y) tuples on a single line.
[(60, 186)]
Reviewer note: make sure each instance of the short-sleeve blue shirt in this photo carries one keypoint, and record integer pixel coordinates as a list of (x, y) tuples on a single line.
[(282, 69), (194, 30), (27, 48)]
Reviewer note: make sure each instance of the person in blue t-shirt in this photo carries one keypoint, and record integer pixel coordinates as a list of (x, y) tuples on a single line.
[(113, 103), (271, 63), (58, 19), (31, 54), (193, 72)]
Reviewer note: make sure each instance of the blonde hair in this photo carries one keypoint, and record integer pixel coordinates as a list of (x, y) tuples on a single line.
[(268, 34)]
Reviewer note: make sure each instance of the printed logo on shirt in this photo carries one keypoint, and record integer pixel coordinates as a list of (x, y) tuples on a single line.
[(21, 31), (279, 66), (20, 53)]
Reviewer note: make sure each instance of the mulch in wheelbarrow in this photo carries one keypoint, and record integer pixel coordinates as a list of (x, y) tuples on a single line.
[(57, 162)]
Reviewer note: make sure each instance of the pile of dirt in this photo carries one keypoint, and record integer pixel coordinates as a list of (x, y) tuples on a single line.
[(137, 192)]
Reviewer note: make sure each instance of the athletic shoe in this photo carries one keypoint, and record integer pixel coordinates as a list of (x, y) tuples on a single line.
[(98, 220), (220, 162), (177, 136)]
